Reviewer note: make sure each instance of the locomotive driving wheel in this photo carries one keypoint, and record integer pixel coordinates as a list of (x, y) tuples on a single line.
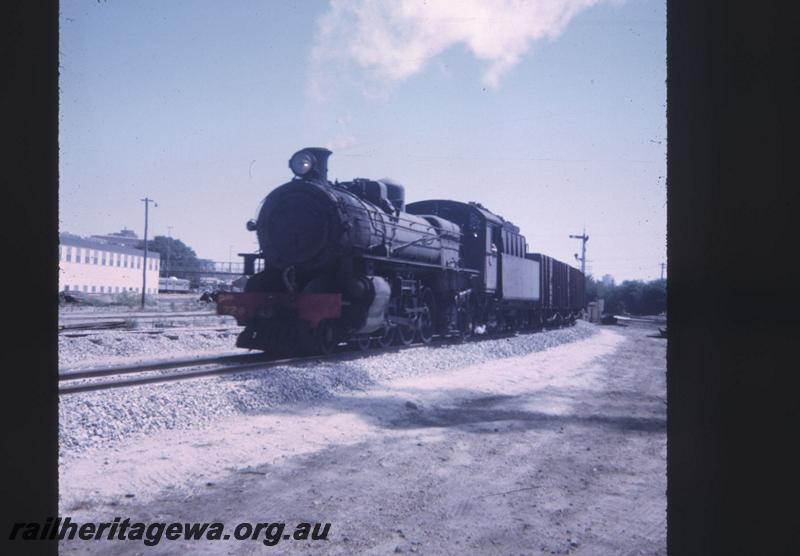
[(405, 334), (386, 338), (425, 330), (363, 342), (326, 337), (466, 325)]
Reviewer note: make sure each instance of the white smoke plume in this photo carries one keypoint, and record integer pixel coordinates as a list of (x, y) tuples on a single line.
[(392, 40), (343, 139)]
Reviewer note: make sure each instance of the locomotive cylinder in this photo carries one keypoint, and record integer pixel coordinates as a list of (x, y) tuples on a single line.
[(381, 292)]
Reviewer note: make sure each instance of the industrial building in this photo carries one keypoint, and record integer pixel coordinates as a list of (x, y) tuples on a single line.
[(95, 266)]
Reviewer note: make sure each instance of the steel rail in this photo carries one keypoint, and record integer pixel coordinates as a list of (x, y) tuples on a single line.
[(183, 375), (250, 362), (132, 315), (97, 372), (220, 369)]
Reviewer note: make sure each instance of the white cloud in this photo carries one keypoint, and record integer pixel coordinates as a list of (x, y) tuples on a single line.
[(390, 41)]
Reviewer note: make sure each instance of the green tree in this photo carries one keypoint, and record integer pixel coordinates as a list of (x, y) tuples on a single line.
[(177, 258), (635, 297), (592, 289), (654, 297)]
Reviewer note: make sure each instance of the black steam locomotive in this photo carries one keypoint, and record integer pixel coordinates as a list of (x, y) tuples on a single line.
[(350, 261)]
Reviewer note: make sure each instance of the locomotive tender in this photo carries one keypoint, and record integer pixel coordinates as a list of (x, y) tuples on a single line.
[(350, 261)]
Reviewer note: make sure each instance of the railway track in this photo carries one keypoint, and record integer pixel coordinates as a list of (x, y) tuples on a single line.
[(78, 316), (148, 373), (167, 330), (133, 375), (73, 323), (169, 370)]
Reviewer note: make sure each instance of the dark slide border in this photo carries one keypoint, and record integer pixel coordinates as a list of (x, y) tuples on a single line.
[(28, 344), (733, 95)]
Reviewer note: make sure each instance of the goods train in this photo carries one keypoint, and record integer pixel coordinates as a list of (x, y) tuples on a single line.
[(352, 262)]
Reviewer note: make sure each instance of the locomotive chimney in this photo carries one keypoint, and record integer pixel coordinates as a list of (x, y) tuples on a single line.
[(310, 163)]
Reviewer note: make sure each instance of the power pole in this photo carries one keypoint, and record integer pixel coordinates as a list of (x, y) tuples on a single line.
[(662, 270), (146, 202), (584, 238)]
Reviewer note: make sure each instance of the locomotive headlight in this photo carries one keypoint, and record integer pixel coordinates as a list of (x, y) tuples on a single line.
[(302, 163)]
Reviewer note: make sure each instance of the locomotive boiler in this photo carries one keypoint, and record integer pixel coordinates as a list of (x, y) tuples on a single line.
[(310, 224), (349, 261)]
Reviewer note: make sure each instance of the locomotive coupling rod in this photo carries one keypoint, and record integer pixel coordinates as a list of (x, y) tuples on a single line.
[(401, 320)]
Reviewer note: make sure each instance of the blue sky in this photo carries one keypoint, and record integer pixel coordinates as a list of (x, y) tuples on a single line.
[(550, 113)]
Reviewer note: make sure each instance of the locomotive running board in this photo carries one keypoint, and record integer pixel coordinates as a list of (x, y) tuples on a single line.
[(416, 263)]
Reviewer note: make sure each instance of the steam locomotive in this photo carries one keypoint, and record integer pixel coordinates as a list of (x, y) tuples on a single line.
[(351, 262)]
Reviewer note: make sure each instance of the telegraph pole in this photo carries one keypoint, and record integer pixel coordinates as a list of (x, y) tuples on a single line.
[(662, 270), (584, 238), (146, 202)]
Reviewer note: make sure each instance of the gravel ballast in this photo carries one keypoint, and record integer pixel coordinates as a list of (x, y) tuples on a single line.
[(105, 418), (115, 347)]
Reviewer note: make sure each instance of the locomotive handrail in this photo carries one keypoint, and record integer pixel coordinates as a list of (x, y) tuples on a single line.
[(375, 229), (456, 234), (395, 225), (407, 262), (397, 219), (409, 243)]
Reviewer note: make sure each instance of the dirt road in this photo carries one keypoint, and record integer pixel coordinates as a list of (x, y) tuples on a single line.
[(557, 452)]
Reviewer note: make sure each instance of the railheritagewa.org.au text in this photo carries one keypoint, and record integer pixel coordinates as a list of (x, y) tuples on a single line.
[(151, 534)]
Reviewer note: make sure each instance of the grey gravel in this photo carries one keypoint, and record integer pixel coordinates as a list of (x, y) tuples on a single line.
[(116, 347), (105, 418)]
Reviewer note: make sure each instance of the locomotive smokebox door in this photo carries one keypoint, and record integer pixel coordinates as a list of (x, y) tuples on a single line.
[(297, 225)]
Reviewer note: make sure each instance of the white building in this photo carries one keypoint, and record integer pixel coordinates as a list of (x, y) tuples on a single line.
[(93, 266)]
